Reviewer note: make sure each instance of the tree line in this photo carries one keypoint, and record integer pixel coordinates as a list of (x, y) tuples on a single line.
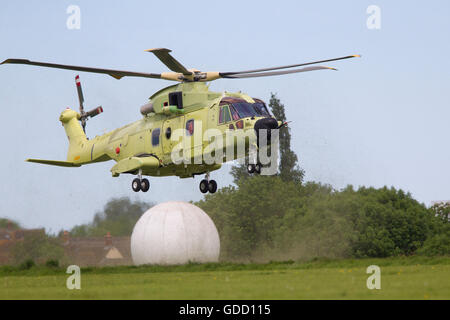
[(266, 218)]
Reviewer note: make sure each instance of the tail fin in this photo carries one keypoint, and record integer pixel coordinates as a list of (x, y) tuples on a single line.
[(77, 138)]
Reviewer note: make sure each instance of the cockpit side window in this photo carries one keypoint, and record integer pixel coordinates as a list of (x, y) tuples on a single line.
[(234, 113), (261, 109), (221, 115), (224, 115)]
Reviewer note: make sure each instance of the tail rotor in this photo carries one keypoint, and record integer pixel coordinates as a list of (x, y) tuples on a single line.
[(84, 116)]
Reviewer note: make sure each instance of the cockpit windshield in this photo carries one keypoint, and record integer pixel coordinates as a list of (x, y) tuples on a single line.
[(245, 109)]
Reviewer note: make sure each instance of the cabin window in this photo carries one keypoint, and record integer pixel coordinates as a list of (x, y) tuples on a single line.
[(168, 133), (224, 115), (190, 127), (155, 137)]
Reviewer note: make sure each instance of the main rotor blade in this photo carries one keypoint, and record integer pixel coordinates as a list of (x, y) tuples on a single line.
[(289, 66), (80, 93), (163, 55), (273, 73), (118, 74)]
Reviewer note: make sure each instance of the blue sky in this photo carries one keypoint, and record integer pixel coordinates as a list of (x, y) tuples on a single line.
[(381, 120)]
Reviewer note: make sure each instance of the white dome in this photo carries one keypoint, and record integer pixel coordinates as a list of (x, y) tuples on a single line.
[(174, 233)]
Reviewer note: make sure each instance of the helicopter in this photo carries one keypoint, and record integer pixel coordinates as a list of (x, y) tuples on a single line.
[(186, 109)]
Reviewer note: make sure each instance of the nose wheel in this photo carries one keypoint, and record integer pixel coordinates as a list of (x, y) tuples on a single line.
[(254, 168), (207, 185), (140, 184)]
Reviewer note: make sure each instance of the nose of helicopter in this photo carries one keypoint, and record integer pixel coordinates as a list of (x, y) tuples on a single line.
[(265, 123)]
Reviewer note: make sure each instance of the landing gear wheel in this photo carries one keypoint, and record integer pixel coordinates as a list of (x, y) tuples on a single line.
[(250, 168), (204, 186), (136, 185), (258, 168), (212, 186), (145, 185)]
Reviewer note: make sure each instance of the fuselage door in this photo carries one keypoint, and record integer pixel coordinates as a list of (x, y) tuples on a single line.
[(170, 132)]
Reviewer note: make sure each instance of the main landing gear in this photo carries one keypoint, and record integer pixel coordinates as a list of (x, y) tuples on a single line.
[(140, 184), (208, 185)]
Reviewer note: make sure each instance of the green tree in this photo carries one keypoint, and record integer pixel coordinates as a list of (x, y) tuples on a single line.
[(5, 223), (437, 244), (256, 219), (37, 247), (386, 221), (442, 210), (438, 241), (239, 172), (118, 217), (289, 169), (266, 218)]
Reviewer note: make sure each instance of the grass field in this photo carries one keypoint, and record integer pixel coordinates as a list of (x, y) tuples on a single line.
[(401, 278)]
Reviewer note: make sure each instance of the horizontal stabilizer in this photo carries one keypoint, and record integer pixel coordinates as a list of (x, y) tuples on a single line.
[(55, 162)]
